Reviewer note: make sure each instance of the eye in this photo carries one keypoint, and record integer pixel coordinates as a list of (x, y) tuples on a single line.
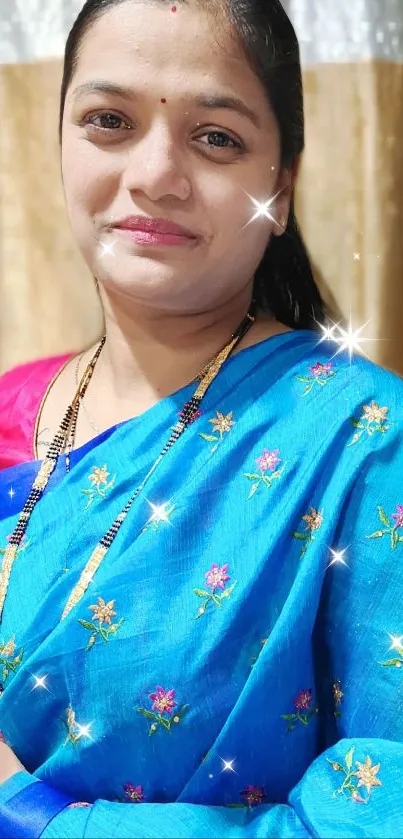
[(220, 139), (107, 121)]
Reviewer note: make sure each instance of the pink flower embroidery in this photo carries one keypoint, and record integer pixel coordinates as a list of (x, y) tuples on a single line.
[(390, 529), (163, 700), (303, 700), (319, 374), (398, 516), (319, 369), (163, 703), (253, 795), (217, 577), (268, 461), (303, 710), (133, 794)]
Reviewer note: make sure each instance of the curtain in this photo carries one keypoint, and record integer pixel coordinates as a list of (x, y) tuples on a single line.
[(349, 196)]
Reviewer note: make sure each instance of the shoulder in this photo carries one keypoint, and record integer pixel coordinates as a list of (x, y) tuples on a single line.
[(22, 390), (355, 378)]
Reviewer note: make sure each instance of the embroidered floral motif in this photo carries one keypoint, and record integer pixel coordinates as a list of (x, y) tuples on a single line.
[(373, 420), (337, 698), (255, 657), (163, 702), (8, 660), (366, 774), (303, 710), (100, 484), (267, 462), (390, 529), (216, 578), (133, 794), (103, 613), (252, 797), (313, 522), (221, 425), (75, 731), (319, 374), (397, 661)]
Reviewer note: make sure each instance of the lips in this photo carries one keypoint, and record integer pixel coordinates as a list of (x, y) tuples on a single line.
[(156, 226)]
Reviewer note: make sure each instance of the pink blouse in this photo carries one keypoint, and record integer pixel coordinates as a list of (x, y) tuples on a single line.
[(22, 390)]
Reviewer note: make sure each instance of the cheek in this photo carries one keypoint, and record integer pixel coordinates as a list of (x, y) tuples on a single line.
[(231, 210), (86, 192)]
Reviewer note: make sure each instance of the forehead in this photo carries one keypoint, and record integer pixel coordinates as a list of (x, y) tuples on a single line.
[(143, 42)]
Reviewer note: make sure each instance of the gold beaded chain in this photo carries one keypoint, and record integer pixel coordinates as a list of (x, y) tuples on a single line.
[(63, 441)]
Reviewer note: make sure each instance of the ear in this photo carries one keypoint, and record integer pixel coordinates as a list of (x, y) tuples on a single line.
[(285, 189)]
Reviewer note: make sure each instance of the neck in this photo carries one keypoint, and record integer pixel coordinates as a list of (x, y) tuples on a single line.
[(161, 352)]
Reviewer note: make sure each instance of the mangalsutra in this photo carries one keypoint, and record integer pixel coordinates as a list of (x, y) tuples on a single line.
[(92, 424), (63, 441)]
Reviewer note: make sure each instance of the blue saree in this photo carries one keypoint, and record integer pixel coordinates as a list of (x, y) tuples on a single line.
[(235, 667)]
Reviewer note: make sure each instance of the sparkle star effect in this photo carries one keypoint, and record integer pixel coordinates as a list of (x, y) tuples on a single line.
[(160, 513), (263, 209), (347, 339), (107, 248), (397, 641), (84, 731), (11, 493), (338, 558), (40, 682), (227, 765)]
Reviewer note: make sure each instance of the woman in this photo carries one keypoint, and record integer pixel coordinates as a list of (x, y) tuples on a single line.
[(201, 581)]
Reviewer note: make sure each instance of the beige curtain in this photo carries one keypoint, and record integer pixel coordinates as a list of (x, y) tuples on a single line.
[(349, 198)]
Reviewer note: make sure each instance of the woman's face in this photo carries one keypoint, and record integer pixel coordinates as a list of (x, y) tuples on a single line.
[(150, 148)]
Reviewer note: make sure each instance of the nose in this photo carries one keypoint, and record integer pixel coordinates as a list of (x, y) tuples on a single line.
[(155, 166)]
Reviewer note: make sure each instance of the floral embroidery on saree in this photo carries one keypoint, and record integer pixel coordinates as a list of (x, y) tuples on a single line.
[(319, 374), (163, 703), (364, 776), (390, 529), (267, 463), (304, 710), (75, 731), (222, 424), (135, 795), (373, 420), (100, 484), (313, 522), (8, 660), (103, 613), (216, 578), (252, 797)]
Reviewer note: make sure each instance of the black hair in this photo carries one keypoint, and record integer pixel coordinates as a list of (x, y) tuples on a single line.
[(284, 282)]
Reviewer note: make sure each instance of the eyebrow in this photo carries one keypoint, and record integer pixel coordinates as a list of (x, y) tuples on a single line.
[(218, 101)]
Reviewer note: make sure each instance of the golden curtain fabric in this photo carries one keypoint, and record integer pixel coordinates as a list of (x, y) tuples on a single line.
[(349, 197)]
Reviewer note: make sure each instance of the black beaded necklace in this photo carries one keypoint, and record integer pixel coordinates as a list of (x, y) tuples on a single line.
[(63, 441)]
